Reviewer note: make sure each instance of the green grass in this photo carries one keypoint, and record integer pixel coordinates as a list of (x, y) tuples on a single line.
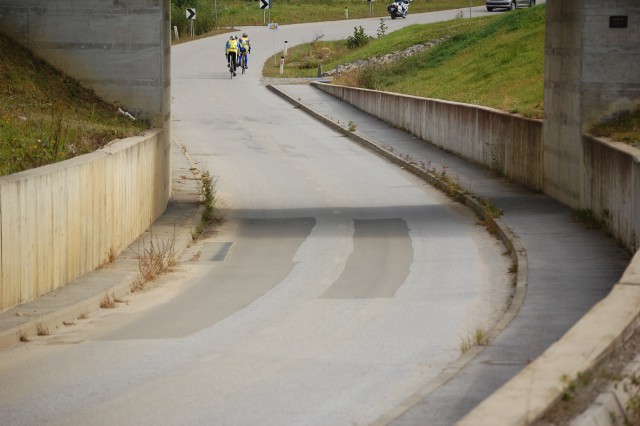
[(498, 63), (230, 13), (336, 52), (625, 128), (46, 116), (495, 61)]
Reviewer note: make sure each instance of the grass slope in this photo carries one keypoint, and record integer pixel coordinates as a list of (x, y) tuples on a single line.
[(46, 117), (499, 62)]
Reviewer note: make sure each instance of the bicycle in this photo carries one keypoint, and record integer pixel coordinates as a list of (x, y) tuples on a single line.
[(243, 61), (232, 66)]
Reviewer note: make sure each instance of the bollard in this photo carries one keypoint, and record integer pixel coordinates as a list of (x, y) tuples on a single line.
[(281, 64), (285, 48), (346, 12), (319, 70)]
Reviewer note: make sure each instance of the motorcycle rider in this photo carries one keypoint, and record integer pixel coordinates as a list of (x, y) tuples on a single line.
[(403, 7), (399, 8)]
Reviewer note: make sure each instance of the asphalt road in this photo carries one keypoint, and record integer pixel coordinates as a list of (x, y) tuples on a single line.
[(336, 287)]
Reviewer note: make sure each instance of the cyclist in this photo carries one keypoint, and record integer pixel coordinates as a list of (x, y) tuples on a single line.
[(231, 52), (245, 47)]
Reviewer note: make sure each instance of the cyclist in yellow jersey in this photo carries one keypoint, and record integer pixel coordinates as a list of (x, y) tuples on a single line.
[(245, 47), (231, 52)]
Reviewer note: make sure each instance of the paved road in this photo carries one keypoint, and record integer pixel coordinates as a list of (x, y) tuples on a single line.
[(336, 287)]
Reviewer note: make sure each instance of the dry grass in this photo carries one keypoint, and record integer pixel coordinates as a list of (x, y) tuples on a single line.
[(110, 257), (154, 261), (41, 329), (23, 336), (107, 302)]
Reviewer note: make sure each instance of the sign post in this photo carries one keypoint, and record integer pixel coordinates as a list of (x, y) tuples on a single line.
[(191, 16), (274, 27), (265, 4)]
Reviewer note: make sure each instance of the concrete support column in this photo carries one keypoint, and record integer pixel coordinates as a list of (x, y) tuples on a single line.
[(592, 73), (562, 101), (120, 49)]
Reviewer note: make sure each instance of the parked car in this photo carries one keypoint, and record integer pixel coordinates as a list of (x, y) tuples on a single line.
[(509, 4)]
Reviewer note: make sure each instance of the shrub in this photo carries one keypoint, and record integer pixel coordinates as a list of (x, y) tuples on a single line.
[(358, 39)]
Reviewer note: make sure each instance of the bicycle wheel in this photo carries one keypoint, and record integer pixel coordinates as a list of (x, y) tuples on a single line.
[(243, 62)]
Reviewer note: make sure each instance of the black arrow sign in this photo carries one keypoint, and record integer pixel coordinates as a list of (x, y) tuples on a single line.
[(265, 4), (191, 14)]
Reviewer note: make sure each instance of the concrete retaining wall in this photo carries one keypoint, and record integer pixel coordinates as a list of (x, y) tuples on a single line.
[(61, 221), (513, 146), (611, 187), (503, 142)]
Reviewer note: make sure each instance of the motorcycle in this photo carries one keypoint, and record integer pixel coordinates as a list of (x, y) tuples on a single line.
[(398, 8)]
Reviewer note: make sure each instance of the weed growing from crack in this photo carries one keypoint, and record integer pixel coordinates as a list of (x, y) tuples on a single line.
[(41, 329), (22, 336), (207, 191), (107, 302), (110, 257), (478, 338), (154, 261)]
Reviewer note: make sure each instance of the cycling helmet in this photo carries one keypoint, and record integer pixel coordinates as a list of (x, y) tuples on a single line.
[(245, 35), (232, 38)]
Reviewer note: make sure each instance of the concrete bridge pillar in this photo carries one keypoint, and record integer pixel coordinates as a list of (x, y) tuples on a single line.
[(120, 49), (592, 73)]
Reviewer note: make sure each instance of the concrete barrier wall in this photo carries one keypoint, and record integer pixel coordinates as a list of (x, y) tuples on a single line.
[(61, 221), (612, 187), (506, 143), (513, 146)]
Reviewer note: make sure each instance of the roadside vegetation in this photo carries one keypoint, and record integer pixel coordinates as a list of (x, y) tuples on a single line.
[(46, 117), (495, 61), (211, 15), (624, 128)]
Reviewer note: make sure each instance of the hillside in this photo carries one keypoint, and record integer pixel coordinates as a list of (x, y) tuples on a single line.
[(45, 116), (496, 61)]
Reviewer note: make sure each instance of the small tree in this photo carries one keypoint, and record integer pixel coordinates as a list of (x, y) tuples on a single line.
[(359, 38), (382, 28)]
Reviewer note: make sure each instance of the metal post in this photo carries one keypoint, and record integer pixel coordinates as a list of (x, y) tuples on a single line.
[(346, 12)]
